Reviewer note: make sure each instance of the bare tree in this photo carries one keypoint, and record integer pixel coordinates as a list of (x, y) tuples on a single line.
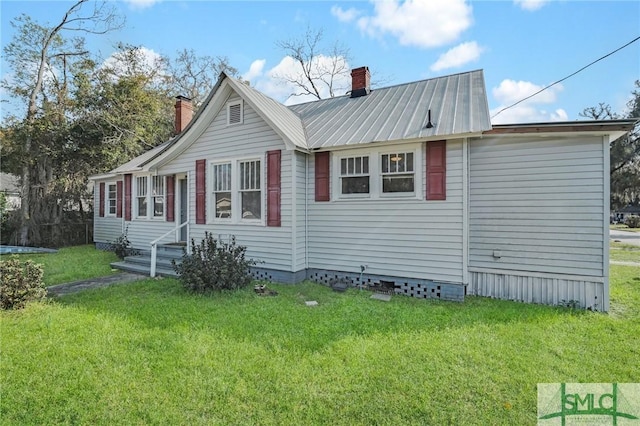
[(320, 70), (31, 55), (194, 76)]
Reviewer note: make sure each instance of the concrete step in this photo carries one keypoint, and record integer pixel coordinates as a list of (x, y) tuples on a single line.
[(143, 269), (141, 263), (146, 260)]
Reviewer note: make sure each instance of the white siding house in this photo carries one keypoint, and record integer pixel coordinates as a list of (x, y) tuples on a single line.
[(408, 186)]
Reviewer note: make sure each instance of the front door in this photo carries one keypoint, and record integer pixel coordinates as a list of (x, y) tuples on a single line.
[(184, 208)]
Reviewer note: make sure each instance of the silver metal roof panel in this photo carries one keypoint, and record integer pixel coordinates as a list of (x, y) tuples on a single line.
[(458, 105)]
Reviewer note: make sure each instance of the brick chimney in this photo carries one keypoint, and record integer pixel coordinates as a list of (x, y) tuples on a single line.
[(360, 82), (184, 113)]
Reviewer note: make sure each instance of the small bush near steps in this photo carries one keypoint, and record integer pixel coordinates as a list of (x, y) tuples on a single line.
[(214, 265), (20, 283)]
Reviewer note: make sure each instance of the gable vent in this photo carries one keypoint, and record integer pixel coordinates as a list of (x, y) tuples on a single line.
[(235, 113)]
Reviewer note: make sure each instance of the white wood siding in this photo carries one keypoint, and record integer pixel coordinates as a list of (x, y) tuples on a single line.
[(252, 138), (301, 199), (539, 202), (404, 238), (105, 229)]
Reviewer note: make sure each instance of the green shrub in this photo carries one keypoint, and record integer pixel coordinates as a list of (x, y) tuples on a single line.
[(20, 283), (632, 221), (214, 265), (122, 246)]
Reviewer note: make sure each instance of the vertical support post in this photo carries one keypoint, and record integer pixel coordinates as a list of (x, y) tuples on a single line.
[(154, 255)]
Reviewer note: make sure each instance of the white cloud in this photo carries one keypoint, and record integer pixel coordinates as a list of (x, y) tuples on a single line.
[(531, 5), (511, 91), (419, 23), (345, 15), (458, 56), (529, 111), (269, 83), (141, 4), (255, 70)]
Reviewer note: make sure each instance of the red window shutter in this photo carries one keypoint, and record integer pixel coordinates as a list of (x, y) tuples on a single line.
[(101, 200), (201, 192), (273, 187), (119, 198), (171, 208), (127, 197), (322, 176), (437, 170)]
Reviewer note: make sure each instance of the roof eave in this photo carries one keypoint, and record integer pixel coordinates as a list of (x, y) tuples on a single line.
[(398, 141), (593, 126)]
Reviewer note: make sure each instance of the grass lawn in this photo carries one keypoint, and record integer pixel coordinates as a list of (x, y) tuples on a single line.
[(72, 264), (624, 252), (149, 353)]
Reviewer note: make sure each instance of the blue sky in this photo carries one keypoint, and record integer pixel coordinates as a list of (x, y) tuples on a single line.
[(521, 45)]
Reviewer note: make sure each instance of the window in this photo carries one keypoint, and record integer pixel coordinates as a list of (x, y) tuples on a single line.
[(397, 172), (222, 190), (157, 195), (237, 193), (111, 199), (234, 113), (378, 173), (354, 175), (250, 193), (141, 196)]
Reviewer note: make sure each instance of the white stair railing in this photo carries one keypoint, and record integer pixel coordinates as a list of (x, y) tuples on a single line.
[(154, 247)]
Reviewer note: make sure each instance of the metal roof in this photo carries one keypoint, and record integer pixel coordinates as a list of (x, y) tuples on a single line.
[(137, 162), (282, 120), (458, 105)]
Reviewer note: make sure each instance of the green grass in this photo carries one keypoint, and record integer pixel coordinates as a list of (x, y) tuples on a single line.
[(72, 264), (624, 252), (149, 353)]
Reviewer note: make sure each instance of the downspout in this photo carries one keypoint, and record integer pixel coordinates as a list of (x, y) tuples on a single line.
[(306, 213), (466, 186)]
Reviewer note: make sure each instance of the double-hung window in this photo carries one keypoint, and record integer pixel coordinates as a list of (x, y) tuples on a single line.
[(237, 190), (141, 196), (222, 190), (250, 191), (111, 199), (157, 194), (398, 173), (354, 175)]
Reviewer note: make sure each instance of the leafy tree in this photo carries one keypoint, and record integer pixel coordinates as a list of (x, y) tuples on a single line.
[(624, 153), (85, 115), (41, 60)]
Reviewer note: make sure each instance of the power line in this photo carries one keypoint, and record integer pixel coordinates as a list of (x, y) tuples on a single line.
[(563, 79)]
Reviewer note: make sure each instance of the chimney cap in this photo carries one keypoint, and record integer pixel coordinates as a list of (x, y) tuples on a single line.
[(183, 98)]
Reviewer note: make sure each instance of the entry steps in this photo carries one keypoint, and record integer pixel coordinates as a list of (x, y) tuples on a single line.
[(141, 262)]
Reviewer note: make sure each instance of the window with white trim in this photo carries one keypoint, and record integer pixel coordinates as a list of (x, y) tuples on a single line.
[(111, 199), (378, 172), (237, 192), (141, 196), (157, 195), (397, 171), (250, 190), (235, 113), (354, 175), (222, 190)]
